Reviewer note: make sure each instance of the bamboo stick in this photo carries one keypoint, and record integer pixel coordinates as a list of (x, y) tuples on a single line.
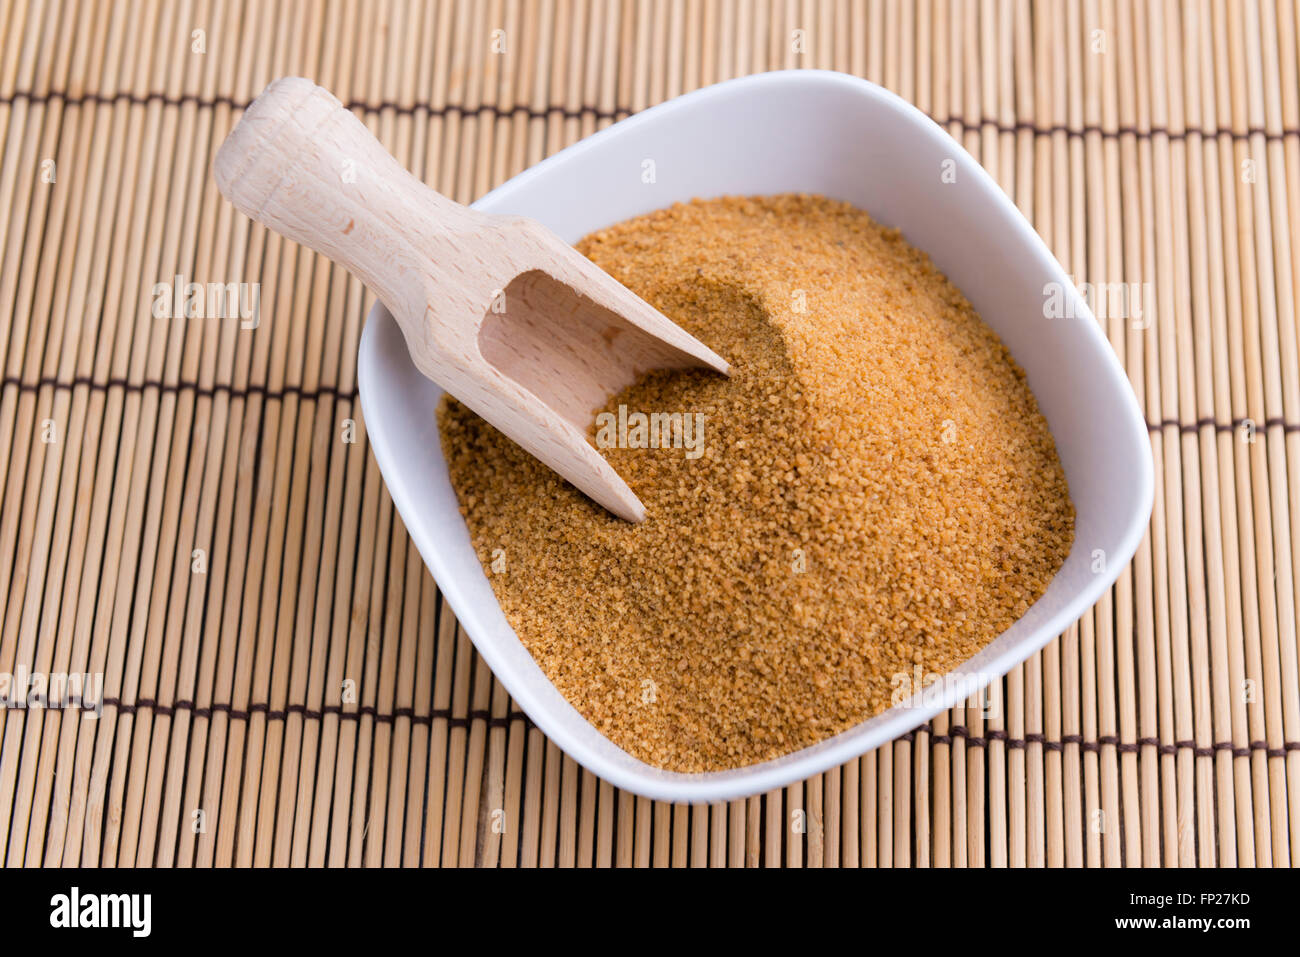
[(51, 532), (87, 414), (27, 325), (1257, 311)]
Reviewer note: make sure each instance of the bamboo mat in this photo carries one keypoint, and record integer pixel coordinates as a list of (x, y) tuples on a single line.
[(183, 514)]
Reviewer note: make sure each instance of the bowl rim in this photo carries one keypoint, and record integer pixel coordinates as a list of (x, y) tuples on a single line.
[(696, 787)]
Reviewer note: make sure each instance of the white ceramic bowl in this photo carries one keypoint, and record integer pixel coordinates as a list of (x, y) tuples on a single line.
[(814, 132)]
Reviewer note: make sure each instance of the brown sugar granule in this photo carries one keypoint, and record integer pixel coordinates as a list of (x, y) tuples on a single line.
[(876, 492)]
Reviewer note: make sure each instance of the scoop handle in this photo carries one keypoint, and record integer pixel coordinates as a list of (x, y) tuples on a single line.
[(302, 164)]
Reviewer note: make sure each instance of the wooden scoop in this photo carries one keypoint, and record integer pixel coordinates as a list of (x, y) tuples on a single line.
[(498, 310)]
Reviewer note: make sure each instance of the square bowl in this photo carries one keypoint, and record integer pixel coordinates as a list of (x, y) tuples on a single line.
[(811, 132)]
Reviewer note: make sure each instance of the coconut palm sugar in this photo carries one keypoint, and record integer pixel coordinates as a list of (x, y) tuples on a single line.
[(873, 492)]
